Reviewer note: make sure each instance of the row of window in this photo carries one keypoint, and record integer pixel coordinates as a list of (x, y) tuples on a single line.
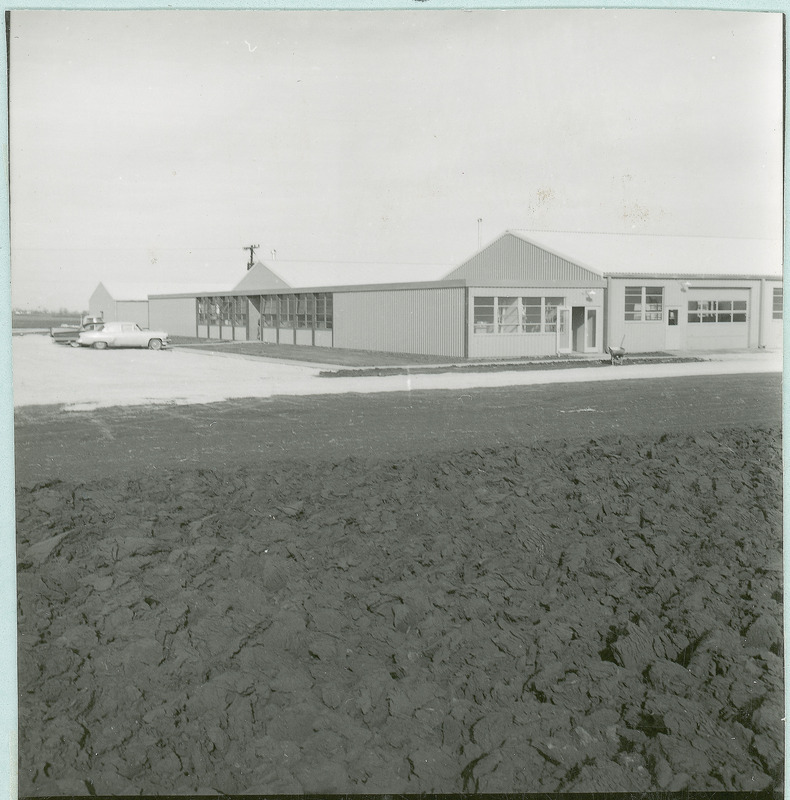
[(516, 314), (646, 304), (224, 311), (491, 314), (277, 311), (297, 311), (717, 311)]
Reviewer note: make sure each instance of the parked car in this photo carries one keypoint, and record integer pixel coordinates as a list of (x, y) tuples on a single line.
[(67, 334), (123, 334)]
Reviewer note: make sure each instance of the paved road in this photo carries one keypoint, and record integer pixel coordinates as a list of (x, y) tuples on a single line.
[(45, 373), (56, 444)]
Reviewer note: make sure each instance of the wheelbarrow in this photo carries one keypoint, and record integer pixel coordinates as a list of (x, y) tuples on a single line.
[(617, 354)]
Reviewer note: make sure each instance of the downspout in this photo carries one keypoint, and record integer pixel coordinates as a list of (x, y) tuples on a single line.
[(761, 317), (466, 322), (607, 306)]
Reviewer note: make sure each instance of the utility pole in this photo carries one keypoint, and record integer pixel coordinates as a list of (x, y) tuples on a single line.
[(252, 248)]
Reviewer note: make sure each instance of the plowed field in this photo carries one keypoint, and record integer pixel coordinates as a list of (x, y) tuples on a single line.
[(596, 614)]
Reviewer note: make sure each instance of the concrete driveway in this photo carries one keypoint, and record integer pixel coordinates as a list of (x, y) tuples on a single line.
[(80, 379)]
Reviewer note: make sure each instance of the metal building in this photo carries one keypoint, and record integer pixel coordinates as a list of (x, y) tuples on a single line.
[(524, 294)]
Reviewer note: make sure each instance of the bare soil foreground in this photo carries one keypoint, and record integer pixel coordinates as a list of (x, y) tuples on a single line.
[(548, 594)]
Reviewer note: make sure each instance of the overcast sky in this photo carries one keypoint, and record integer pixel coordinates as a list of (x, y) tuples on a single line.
[(154, 146)]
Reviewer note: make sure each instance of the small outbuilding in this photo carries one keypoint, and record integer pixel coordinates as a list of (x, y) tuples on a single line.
[(129, 302), (116, 302)]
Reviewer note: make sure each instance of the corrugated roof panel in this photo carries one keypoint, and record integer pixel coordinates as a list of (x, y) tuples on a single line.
[(514, 259), (300, 274), (663, 255), (140, 291)]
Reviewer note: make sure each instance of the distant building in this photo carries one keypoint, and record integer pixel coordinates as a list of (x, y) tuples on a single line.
[(128, 302), (524, 294)]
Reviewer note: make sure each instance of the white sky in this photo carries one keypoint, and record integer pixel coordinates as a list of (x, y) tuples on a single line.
[(153, 146)]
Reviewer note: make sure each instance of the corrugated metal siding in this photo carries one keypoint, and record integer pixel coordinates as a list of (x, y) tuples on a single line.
[(132, 311), (175, 315), (507, 345), (512, 259), (419, 321), (512, 345), (773, 329), (642, 337)]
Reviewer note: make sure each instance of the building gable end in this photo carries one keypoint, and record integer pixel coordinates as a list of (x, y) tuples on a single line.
[(260, 279), (513, 259)]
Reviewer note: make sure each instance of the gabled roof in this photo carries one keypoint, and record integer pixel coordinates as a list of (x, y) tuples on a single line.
[(517, 260), (261, 278), (265, 276), (641, 254)]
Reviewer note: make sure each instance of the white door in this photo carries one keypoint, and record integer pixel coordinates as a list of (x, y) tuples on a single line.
[(564, 337)]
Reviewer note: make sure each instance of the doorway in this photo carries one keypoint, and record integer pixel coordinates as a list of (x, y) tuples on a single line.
[(578, 329)]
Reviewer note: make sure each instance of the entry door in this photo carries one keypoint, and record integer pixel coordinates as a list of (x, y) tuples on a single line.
[(591, 334), (672, 341), (564, 333)]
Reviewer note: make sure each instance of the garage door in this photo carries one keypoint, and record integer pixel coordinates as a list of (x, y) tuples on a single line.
[(718, 319)]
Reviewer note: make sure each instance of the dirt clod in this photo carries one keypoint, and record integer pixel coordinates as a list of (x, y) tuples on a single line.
[(560, 617)]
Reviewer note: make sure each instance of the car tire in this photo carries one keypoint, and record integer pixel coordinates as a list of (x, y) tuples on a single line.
[(155, 344), (74, 343), (99, 345)]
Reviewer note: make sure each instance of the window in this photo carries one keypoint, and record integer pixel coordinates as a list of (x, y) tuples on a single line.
[(714, 311), (202, 310), (550, 313), (269, 311), (305, 310), (238, 311), (633, 303), (778, 302), (484, 315), (644, 303), (225, 310), (508, 314), (323, 311), (516, 315), (287, 310), (531, 314)]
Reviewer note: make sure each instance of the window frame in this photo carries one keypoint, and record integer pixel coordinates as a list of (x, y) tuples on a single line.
[(778, 312), (645, 308), (521, 315), (718, 312)]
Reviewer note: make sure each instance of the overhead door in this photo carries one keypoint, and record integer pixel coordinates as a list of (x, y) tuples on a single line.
[(718, 319)]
